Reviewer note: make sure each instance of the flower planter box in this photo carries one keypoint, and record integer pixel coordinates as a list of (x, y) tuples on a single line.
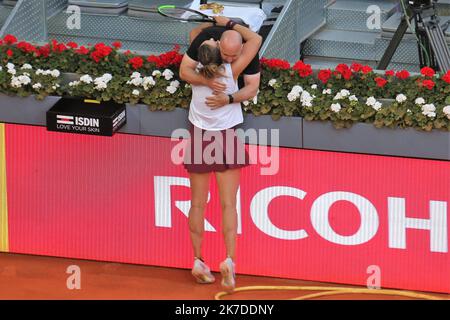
[(161, 123), (289, 128), (26, 110), (366, 138), (30, 111)]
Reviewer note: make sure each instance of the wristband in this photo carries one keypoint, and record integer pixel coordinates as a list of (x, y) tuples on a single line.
[(231, 99), (230, 24)]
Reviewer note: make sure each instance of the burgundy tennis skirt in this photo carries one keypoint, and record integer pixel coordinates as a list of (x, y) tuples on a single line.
[(231, 151)]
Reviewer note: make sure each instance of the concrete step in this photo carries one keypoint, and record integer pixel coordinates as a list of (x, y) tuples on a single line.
[(352, 14), (390, 26), (5, 11), (341, 44)]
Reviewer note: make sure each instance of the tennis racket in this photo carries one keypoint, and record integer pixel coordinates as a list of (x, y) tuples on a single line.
[(184, 14)]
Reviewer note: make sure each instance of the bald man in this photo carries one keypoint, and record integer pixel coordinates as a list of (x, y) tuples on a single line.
[(230, 49)]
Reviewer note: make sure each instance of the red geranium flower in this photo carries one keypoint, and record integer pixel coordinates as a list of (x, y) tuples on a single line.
[(167, 59), (344, 70), (429, 84), (427, 72), (117, 44), (26, 47), (304, 70), (404, 74), (381, 82), (275, 63), (136, 62), (9, 53), (101, 51), (366, 69), (44, 51), (446, 77), (356, 67), (72, 45), (82, 50), (10, 39), (324, 75), (390, 73)]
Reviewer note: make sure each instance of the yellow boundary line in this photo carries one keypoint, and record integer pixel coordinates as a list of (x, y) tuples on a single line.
[(328, 291), (4, 245)]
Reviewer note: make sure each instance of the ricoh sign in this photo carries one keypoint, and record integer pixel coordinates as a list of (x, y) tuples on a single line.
[(435, 227), (84, 116)]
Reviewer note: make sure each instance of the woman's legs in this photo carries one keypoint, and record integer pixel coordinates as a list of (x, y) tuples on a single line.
[(228, 184), (199, 198)]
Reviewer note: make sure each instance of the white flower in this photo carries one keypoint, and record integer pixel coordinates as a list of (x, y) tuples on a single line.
[(429, 110), (371, 101), (86, 79), (353, 98), (148, 82), (306, 99), (377, 105), (336, 107), (255, 98), (135, 75), (175, 84), (101, 86), (338, 96), (171, 89), (17, 82), (26, 74), (400, 98), (136, 92), (314, 86), (345, 93), (419, 101), (156, 73), (55, 73), (292, 96), (106, 77), (168, 74), (272, 82), (326, 91), (136, 82), (1, 68), (409, 111), (37, 86), (26, 66), (10, 66), (74, 83), (447, 111), (297, 89), (245, 103), (54, 87), (12, 71), (25, 79)]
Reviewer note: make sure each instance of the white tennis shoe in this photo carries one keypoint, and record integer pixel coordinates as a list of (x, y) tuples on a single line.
[(201, 272)]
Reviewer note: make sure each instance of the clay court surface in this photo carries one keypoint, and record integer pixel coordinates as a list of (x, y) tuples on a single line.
[(39, 277)]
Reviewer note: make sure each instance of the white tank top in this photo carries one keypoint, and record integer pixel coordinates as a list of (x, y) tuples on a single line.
[(221, 118)]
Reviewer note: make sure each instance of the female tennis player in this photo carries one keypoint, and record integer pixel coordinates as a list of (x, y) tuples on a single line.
[(222, 60)]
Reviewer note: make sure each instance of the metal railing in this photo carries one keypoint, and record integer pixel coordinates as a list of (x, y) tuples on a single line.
[(298, 20)]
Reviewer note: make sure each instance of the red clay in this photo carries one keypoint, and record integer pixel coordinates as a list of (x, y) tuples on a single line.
[(36, 277)]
